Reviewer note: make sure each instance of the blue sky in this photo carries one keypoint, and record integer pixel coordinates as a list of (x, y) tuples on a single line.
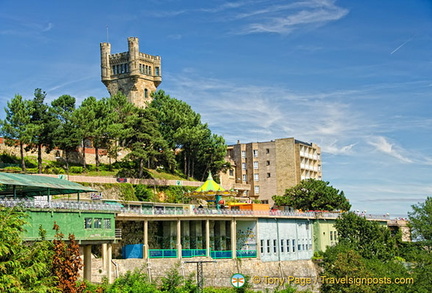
[(354, 77)]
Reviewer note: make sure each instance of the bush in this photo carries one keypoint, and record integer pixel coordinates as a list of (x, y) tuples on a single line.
[(76, 169), (132, 282), (13, 169), (143, 193), (127, 191)]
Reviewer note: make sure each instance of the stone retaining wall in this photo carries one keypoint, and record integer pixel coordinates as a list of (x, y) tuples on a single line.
[(263, 275)]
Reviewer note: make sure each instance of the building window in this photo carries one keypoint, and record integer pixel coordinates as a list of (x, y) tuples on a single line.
[(282, 245), (331, 235), (157, 71), (243, 154), (255, 165), (274, 246), (256, 176), (231, 172), (244, 177), (262, 245), (268, 175), (244, 166), (257, 189), (88, 223), (293, 245), (107, 223), (268, 163), (255, 153), (267, 151), (268, 245), (97, 223), (288, 245), (145, 93)]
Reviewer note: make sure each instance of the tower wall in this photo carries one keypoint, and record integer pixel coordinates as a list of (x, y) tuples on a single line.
[(132, 73)]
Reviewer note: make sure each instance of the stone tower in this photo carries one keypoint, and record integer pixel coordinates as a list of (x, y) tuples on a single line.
[(132, 73)]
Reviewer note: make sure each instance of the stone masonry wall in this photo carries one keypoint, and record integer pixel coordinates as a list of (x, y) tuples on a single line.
[(263, 275)]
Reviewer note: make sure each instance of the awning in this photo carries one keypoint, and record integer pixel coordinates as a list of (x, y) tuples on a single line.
[(34, 185)]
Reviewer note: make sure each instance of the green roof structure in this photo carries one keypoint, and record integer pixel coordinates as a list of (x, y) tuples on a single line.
[(24, 185), (211, 191)]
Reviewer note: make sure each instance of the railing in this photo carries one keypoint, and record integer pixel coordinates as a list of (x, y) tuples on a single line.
[(118, 233), (189, 253), (162, 253), (193, 252), (33, 204), (246, 253), (100, 206), (220, 254)]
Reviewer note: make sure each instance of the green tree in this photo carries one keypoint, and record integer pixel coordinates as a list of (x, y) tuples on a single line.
[(65, 135), (370, 238), (41, 126), (366, 252), (198, 150), (16, 124), (420, 221), (23, 267), (147, 148), (93, 119), (312, 194), (345, 270)]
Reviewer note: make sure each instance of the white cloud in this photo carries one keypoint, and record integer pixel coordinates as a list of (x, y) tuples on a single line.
[(285, 19), (383, 145)]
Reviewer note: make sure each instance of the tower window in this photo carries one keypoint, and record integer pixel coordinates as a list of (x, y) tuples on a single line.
[(157, 71), (145, 93)]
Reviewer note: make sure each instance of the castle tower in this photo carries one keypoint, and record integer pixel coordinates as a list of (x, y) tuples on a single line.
[(132, 73)]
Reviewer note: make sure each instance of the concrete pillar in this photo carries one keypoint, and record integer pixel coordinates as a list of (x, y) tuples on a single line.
[(87, 263), (207, 237), (104, 257), (145, 246), (109, 266), (179, 245), (234, 238), (258, 241)]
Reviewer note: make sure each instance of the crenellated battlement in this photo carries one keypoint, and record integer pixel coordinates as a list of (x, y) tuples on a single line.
[(133, 73)]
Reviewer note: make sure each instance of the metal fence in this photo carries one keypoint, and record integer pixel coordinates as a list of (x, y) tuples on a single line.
[(117, 208)]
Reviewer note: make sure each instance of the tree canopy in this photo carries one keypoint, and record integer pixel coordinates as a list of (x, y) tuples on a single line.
[(366, 250), (15, 128), (312, 194), (166, 135), (198, 151), (420, 221), (23, 268)]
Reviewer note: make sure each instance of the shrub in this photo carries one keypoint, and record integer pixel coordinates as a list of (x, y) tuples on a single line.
[(132, 282), (143, 193), (76, 169)]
